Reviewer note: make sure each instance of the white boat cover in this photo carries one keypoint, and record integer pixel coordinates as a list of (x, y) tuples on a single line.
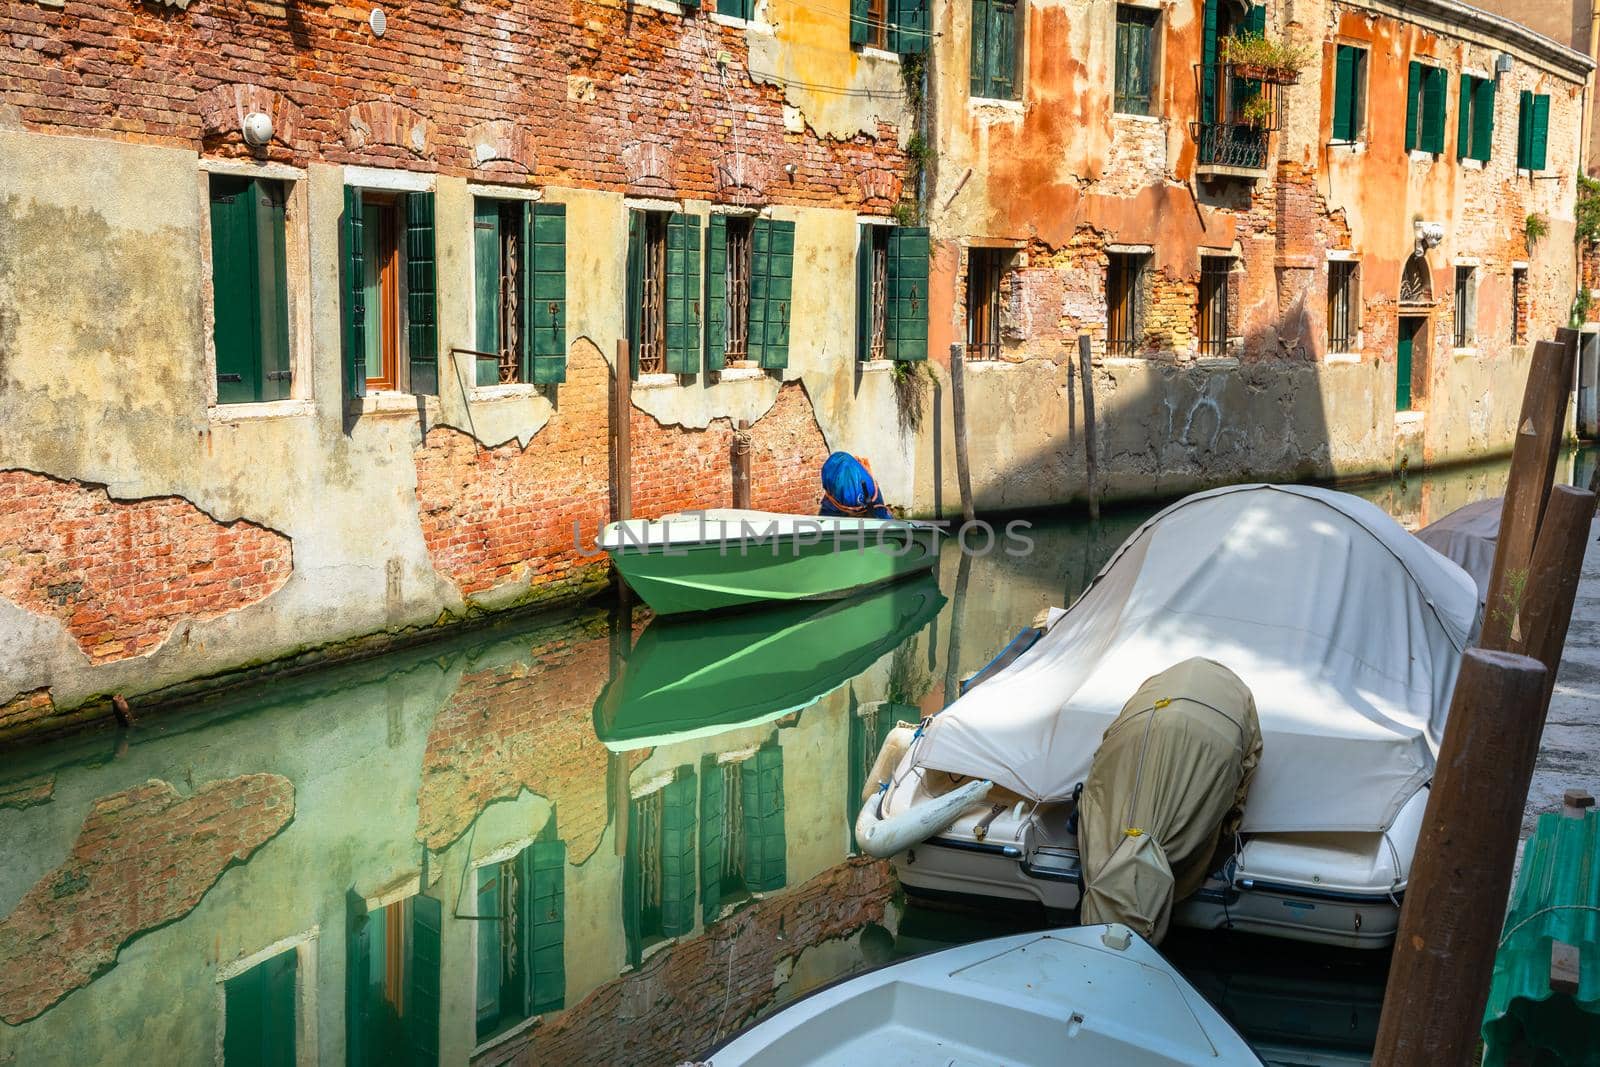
[(1347, 629), (1467, 536)]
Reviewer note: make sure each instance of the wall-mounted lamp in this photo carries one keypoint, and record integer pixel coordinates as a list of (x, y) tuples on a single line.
[(257, 129), (378, 21), (789, 169), (1502, 63)]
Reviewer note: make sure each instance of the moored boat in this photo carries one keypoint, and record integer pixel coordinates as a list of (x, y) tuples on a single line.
[(1088, 995), (1347, 630), (726, 557)]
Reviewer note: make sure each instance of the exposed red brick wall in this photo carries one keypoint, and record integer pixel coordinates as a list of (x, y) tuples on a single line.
[(27, 707), (683, 999), (121, 574), (28, 792), (612, 95), (495, 515), (526, 725), (144, 857)]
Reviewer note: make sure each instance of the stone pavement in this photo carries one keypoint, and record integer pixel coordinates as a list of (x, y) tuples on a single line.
[(1569, 754)]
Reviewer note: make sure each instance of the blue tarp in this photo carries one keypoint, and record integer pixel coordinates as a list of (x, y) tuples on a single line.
[(848, 488)]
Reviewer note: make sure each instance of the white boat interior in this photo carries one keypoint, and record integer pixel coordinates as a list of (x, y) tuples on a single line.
[(1092, 995)]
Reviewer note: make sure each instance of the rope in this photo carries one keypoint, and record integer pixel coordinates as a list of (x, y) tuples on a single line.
[(1544, 911)]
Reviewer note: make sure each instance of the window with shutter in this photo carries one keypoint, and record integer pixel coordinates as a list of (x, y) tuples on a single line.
[(771, 286), (1475, 119), (355, 294), (739, 9), (728, 277), (249, 282), (908, 26), (392, 982), (422, 328), (496, 261), (385, 233), (906, 303), (1134, 59), (547, 873), (1425, 108), (681, 294), (1349, 92), (503, 963), (545, 299), (712, 839), (259, 1014), (872, 292), (765, 845), (677, 844), (423, 960), (995, 45), (1533, 120)]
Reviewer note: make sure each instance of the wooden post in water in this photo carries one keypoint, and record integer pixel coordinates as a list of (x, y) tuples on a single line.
[(1086, 372), (1533, 468), (958, 412), (1450, 923), (1553, 572), (741, 464), (621, 438)]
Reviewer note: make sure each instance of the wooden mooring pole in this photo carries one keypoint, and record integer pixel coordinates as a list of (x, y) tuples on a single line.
[(958, 412), (740, 461), (1450, 923), (1533, 466), (1540, 629), (1086, 372), (621, 438)]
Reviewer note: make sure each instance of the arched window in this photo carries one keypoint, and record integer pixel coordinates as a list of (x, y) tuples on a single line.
[(1416, 281)]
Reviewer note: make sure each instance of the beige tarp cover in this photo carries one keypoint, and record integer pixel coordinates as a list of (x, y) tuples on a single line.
[(1168, 780)]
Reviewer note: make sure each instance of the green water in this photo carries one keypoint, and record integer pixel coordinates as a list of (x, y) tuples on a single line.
[(630, 838)]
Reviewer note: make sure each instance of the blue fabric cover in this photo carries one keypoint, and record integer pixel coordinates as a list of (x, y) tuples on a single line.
[(848, 488)]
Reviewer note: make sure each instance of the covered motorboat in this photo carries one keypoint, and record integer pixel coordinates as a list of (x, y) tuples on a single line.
[(1347, 630), (1467, 537), (1168, 782)]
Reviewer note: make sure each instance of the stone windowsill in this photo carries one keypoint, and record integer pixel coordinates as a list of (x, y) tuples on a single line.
[(986, 366), (875, 365), (868, 52), (1128, 116), (392, 403), (995, 108), (1354, 147), (1217, 362), (1464, 351), (667, 6), (271, 409), (737, 23), (1417, 155), (1217, 170), (1409, 419), (1470, 164), (507, 391), (741, 374), (1342, 357), (655, 381)]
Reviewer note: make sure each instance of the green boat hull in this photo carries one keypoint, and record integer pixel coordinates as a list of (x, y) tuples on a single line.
[(721, 575)]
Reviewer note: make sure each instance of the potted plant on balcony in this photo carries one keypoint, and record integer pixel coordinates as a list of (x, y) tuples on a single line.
[(1258, 112), (1255, 58)]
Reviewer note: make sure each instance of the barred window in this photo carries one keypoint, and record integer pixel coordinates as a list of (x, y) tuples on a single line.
[(1125, 282), (1466, 307), (736, 288), (1214, 304), (1342, 306), (652, 308), (1519, 304), (985, 266)]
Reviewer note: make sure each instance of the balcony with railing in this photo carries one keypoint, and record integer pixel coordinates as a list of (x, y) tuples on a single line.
[(1237, 116)]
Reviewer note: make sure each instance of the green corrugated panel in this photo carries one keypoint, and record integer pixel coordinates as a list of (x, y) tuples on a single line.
[(1557, 898)]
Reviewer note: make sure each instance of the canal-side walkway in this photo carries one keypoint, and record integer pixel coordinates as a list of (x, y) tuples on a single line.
[(1569, 754)]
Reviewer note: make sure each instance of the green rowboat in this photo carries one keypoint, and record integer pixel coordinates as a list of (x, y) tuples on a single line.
[(728, 558)]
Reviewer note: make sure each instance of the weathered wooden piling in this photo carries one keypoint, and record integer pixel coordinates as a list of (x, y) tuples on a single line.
[(621, 438), (1533, 466), (1449, 925), (740, 461), (1540, 629), (958, 412), (1086, 371)]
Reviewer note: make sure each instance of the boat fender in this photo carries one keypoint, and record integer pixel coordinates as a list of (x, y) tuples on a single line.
[(889, 757), (882, 838)]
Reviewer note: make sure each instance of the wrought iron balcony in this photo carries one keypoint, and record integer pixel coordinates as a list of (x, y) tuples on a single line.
[(1237, 117)]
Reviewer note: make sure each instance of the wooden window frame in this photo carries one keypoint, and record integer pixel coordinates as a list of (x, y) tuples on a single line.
[(304, 945), (982, 78), (652, 356), (736, 278), (1150, 19), (1212, 315), (986, 270), (1344, 302), (1126, 274), (1464, 296), (390, 317), (1358, 93), (878, 324), (877, 25)]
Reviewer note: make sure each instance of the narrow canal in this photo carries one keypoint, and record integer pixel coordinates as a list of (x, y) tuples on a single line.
[(630, 839)]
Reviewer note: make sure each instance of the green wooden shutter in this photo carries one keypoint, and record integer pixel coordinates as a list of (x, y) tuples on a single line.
[(1524, 127), (235, 297), (486, 284), (1002, 50), (978, 74), (711, 842), (864, 243), (1433, 109), (545, 293), (765, 848), (357, 966), (860, 12), (355, 314), (1344, 93), (907, 305), (1464, 124), (771, 288), (632, 895), (908, 26), (489, 903), (422, 330), (273, 285), (1483, 120), (1413, 104), (259, 1014), (422, 981), (1539, 142), (716, 292), (547, 874), (678, 834), (635, 286), (1208, 67), (683, 294)]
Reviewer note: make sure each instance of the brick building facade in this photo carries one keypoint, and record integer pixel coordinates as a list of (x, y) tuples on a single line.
[(309, 312)]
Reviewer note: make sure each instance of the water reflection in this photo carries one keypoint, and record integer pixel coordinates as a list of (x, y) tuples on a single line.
[(582, 839)]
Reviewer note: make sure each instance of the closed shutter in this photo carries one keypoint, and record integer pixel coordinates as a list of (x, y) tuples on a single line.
[(486, 285), (422, 981), (1413, 104), (1483, 120), (634, 289), (1524, 127), (1344, 93), (907, 304), (683, 294), (632, 889), (1433, 109), (357, 967), (1541, 133), (547, 873), (1464, 124), (1002, 50), (908, 26), (236, 299), (272, 279), (860, 12), (711, 842), (545, 293), (677, 853), (864, 293), (716, 292), (765, 848), (354, 304), (1208, 66), (259, 1022), (771, 287), (422, 330), (489, 966), (978, 76)]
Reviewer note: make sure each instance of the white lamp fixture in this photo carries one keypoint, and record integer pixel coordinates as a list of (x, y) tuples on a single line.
[(378, 21), (1502, 63), (257, 129)]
